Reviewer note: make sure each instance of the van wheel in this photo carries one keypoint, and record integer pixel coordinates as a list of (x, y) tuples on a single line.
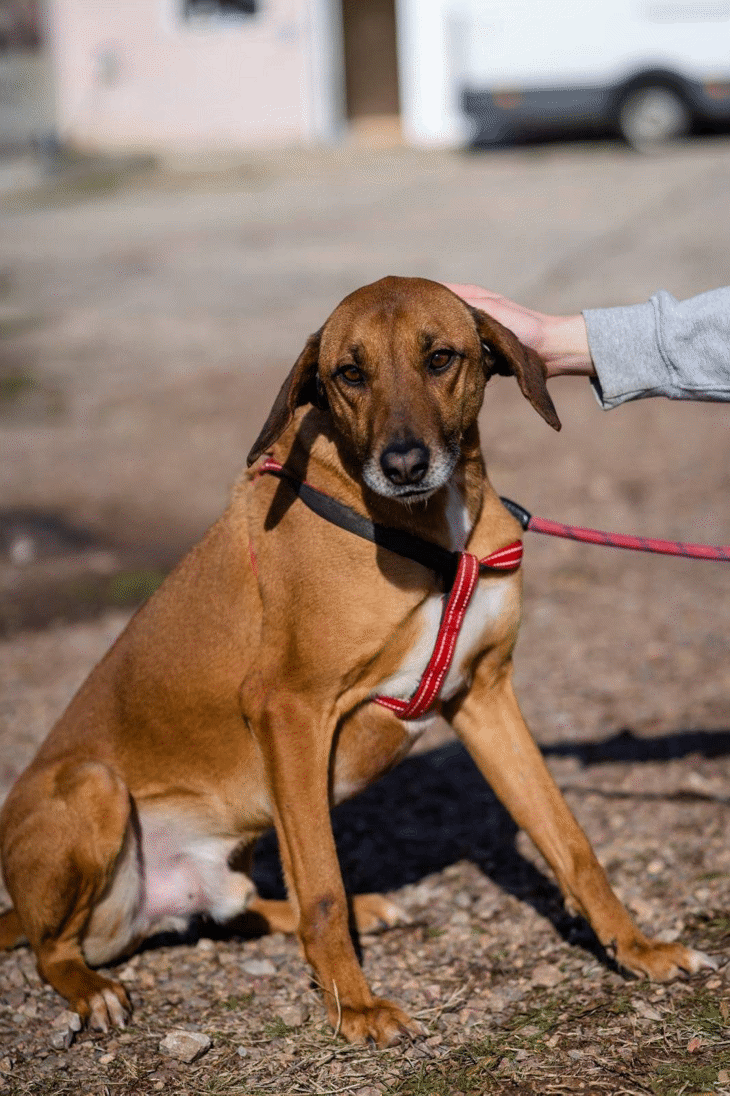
[(650, 116)]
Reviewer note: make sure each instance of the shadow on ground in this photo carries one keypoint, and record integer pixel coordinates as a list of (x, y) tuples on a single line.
[(626, 746), (436, 809)]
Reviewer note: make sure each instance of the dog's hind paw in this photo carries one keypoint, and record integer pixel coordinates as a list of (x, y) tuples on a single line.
[(107, 1008), (375, 913)]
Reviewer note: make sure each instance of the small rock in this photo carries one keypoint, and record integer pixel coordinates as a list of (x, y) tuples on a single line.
[(61, 1038), (293, 1015), (259, 967), (68, 1019), (106, 1059), (52, 1064), (646, 1010), (498, 999), (6, 1064), (228, 959), (186, 1046), (724, 1076), (242, 1052), (205, 945), (548, 975)]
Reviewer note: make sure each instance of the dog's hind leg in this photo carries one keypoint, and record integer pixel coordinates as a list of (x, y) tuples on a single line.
[(11, 930), (66, 830)]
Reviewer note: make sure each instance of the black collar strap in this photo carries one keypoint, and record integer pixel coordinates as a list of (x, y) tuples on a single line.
[(440, 560)]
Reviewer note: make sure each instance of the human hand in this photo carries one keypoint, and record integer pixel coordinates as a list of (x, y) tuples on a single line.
[(561, 341)]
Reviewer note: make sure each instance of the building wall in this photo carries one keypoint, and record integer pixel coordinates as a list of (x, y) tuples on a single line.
[(137, 74), (429, 57)]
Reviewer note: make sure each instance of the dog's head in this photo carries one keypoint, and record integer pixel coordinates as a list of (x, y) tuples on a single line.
[(400, 367)]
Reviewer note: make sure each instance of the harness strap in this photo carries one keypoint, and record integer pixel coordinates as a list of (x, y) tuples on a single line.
[(443, 651), (459, 572)]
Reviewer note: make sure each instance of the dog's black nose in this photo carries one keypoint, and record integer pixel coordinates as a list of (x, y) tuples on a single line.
[(405, 462)]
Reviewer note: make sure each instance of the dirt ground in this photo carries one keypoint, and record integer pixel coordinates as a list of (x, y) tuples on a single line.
[(146, 321)]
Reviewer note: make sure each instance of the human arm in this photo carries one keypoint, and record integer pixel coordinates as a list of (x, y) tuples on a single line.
[(665, 347)]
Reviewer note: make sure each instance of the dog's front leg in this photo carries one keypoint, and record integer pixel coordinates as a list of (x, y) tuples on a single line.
[(490, 724), (296, 747)]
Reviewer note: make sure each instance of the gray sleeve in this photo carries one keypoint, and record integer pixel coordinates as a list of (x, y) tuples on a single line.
[(678, 349)]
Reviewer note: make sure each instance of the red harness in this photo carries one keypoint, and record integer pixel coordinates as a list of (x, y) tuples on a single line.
[(506, 559), (468, 568)]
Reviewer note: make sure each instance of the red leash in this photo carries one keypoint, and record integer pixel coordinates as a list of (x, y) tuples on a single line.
[(616, 540)]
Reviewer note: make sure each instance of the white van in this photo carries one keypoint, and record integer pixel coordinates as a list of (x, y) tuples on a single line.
[(650, 69)]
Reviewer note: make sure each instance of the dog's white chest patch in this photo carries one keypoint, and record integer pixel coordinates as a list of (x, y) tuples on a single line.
[(488, 603)]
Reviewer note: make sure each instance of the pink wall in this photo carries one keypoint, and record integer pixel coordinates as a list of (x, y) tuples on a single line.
[(135, 74)]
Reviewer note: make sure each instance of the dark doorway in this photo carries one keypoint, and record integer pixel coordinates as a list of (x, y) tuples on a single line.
[(26, 99), (371, 68)]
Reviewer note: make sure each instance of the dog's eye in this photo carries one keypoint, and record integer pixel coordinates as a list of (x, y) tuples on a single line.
[(440, 360), (351, 375)]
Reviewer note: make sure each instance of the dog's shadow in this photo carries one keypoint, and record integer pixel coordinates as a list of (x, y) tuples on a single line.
[(436, 809), (431, 811)]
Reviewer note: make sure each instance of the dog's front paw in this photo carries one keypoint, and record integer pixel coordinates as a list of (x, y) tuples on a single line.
[(382, 1023), (660, 962)]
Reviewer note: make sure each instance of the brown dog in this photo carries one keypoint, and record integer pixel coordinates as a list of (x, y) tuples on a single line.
[(243, 692)]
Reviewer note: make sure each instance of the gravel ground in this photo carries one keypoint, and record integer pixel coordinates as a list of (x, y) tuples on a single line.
[(623, 667)]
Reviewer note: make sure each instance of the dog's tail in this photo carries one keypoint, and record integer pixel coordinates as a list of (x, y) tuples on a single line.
[(11, 931)]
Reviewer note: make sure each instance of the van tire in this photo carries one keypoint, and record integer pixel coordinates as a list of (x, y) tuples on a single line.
[(652, 115)]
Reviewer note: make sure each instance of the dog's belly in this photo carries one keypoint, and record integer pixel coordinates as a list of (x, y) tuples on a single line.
[(489, 604), (168, 872)]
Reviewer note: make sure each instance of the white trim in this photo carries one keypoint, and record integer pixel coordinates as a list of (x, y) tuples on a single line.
[(326, 71)]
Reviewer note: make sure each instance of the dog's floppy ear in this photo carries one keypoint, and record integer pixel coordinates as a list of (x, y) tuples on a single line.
[(300, 387), (503, 353)]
